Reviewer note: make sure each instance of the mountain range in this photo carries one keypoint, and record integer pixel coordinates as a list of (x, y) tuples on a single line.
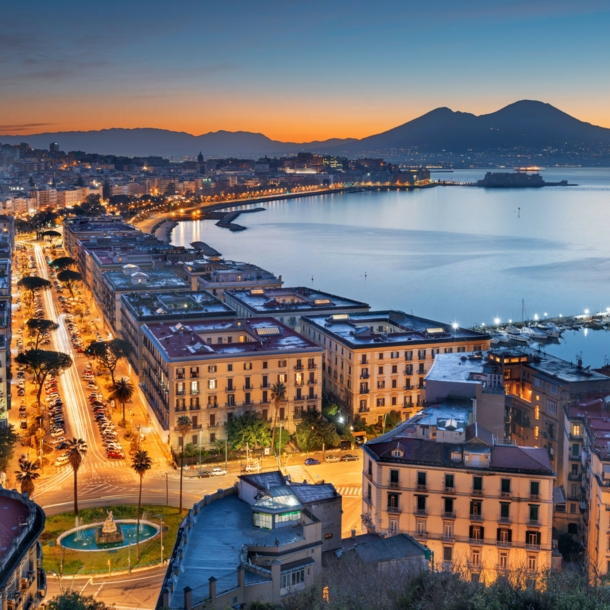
[(528, 124)]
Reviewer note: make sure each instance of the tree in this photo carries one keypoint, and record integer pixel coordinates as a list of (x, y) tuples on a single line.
[(33, 283), (80, 182), (109, 353), (26, 475), (64, 262), (141, 463), (249, 428), (71, 600), (39, 327), (76, 451), (43, 363), (8, 438), (69, 278), (278, 396), (391, 420), (31, 181), (183, 426), (170, 190), (122, 391), (314, 430), (51, 233)]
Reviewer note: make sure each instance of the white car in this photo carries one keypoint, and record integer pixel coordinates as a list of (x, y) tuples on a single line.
[(218, 472)]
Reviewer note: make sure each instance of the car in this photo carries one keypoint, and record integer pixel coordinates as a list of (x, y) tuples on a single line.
[(58, 432), (204, 474), (312, 462), (61, 446), (218, 472), (59, 439), (113, 455), (23, 425), (330, 459), (252, 467), (21, 392), (348, 457)]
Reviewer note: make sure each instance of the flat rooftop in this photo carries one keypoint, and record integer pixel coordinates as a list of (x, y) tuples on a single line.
[(199, 340), (145, 280), (13, 514), (215, 546), (549, 366), (389, 328), (175, 305), (300, 300)]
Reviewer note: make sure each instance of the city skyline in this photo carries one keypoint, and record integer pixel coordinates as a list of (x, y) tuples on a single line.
[(293, 73)]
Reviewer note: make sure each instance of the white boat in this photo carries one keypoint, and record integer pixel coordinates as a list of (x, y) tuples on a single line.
[(535, 334), (514, 334), (550, 330)]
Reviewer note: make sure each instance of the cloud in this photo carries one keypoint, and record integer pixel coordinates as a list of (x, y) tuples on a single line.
[(21, 127)]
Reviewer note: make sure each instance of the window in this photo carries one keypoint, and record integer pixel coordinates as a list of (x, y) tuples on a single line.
[(294, 515), (421, 503), (292, 579), (262, 520), (421, 480), (534, 510), (505, 487), (397, 453), (180, 388), (264, 365), (505, 510), (394, 354), (409, 355), (229, 368), (503, 560), (212, 437), (282, 378), (576, 429), (575, 450), (477, 532), (504, 536), (477, 483), (448, 530), (534, 489), (281, 364), (394, 369), (247, 366), (380, 370), (536, 382), (393, 477), (393, 501), (212, 368), (179, 373), (476, 508), (551, 407), (448, 506), (447, 554), (409, 369), (194, 387), (421, 354), (536, 412), (476, 558), (194, 372), (381, 402), (380, 355), (180, 404), (420, 526), (328, 536), (381, 384), (536, 432)]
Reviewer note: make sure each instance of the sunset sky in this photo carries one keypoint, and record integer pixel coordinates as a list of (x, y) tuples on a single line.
[(295, 71)]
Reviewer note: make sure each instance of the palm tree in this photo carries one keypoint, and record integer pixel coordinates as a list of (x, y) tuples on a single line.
[(77, 449), (27, 475), (183, 426), (122, 391), (141, 462), (278, 396)]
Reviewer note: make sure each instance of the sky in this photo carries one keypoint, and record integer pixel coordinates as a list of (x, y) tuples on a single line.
[(295, 71)]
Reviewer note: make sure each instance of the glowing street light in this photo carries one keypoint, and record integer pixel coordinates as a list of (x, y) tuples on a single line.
[(497, 321), (455, 326), (536, 316), (586, 312)]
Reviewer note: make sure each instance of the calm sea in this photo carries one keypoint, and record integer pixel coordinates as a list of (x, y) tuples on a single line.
[(459, 254)]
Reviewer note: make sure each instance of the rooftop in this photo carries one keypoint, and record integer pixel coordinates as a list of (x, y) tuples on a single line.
[(389, 328), (372, 548), (179, 305), (121, 281), (461, 368), (200, 340), (13, 513), (300, 299)]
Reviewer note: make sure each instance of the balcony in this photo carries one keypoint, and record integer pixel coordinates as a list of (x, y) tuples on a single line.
[(394, 484), (421, 487), (420, 512), (365, 376), (213, 425), (504, 544), (448, 538), (477, 492), (535, 497), (195, 392), (265, 386), (230, 388), (312, 381), (311, 397), (196, 426), (505, 494), (476, 517), (298, 367), (532, 547), (364, 390), (368, 500), (369, 475), (534, 523), (298, 398), (476, 541), (364, 410), (230, 405), (574, 477), (248, 388), (504, 520), (421, 535), (393, 509), (195, 408), (212, 406), (449, 490), (311, 367), (448, 515)]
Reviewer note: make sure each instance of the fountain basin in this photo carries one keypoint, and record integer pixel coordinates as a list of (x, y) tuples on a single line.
[(83, 538)]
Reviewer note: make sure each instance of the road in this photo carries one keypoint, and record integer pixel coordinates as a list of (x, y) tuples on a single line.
[(103, 482)]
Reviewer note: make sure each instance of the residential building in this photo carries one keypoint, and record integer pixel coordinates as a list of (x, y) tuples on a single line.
[(132, 279), (172, 308), (287, 305), (78, 228), (7, 234), (264, 547), (215, 370), (22, 578), (480, 506), (376, 362), (217, 275)]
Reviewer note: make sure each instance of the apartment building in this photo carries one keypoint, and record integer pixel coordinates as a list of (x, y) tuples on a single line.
[(133, 279), (172, 308), (538, 387), (75, 229), (22, 578), (215, 370), (7, 234), (217, 275), (376, 362), (288, 305), (482, 507)]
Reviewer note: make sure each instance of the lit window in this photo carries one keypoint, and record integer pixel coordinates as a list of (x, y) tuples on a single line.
[(536, 432)]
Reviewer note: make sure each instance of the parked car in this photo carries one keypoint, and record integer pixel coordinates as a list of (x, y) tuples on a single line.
[(332, 459), (312, 462), (348, 457), (217, 471), (256, 467), (204, 474)]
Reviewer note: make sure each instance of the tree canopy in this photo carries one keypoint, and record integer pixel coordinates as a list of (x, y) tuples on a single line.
[(43, 363), (8, 438), (64, 262), (249, 428), (71, 600), (109, 353), (33, 282), (39, 327), (314, 430), (69, 278)]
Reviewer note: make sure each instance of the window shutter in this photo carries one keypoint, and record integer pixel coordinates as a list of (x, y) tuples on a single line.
[(498, 534), (470, 530), (482, 533), (538, 538), (471, 505), (510, 535)]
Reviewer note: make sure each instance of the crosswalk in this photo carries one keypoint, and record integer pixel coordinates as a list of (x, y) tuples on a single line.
[(349, 492)]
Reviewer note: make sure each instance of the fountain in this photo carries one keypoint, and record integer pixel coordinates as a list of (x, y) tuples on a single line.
[(109, 532)]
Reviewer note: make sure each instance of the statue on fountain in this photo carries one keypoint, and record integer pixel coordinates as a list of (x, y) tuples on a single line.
[(109, 532)]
